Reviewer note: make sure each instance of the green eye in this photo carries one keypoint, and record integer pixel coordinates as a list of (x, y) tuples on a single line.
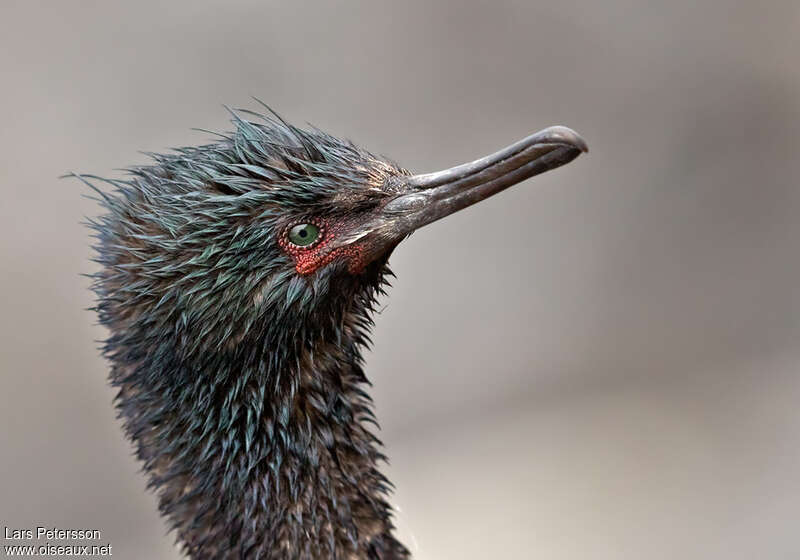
[(303, 235)]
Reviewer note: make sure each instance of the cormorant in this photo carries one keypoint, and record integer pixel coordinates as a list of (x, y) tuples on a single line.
[(237, 281)]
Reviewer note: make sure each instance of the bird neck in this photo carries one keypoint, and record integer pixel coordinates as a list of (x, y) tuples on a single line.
[(263, 449)]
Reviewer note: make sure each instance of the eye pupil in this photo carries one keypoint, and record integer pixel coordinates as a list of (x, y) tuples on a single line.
[(303, 234)]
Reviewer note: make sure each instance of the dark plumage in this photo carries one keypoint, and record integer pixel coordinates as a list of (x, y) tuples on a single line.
[(236, 344)]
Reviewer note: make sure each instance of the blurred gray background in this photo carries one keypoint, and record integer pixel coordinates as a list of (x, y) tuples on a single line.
[(600, 363)]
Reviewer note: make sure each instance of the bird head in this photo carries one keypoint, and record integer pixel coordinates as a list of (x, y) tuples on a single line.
[(274, 230)]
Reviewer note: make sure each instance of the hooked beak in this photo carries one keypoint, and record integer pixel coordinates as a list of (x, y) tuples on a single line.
[(418, 200), (425, 198)]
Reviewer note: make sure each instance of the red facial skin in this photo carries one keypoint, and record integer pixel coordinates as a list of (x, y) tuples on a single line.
[(311, 258)]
